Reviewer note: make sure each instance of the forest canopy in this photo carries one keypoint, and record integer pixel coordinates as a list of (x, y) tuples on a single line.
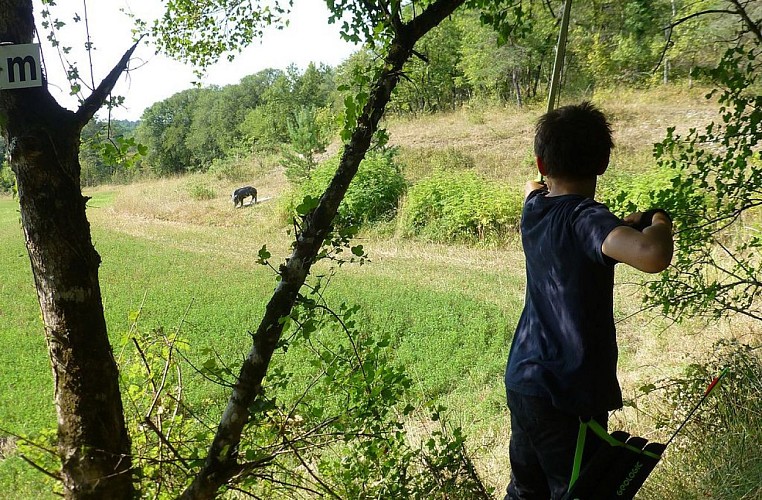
[(636, 43)]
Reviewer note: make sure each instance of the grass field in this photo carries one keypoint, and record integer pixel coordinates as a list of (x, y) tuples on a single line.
[(450, 309)]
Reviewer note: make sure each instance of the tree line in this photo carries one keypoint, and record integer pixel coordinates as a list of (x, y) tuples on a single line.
[(636, 43)]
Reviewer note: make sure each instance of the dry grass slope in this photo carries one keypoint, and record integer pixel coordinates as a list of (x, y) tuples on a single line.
[(498, 143)]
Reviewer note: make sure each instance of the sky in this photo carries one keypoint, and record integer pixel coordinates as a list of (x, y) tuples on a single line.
[(153, 77)]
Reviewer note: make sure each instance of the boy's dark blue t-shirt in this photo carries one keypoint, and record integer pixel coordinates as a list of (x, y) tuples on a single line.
[(565, 346)]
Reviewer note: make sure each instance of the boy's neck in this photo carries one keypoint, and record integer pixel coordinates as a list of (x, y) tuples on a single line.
[(582, 187)]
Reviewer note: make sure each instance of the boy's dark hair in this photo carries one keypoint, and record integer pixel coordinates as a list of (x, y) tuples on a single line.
[(573, 142)]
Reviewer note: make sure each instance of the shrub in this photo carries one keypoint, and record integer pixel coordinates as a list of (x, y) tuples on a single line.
[(625, 194), (309, 138), (373, 194), (460, 206), (7, 179), (229, 168), (200, 192), (719, 452), (420, 163)]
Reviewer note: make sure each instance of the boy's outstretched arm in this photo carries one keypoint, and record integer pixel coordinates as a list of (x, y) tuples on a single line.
[(649, 251)]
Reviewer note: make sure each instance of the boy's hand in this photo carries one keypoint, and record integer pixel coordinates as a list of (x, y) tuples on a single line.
[(646, 243), (641, 220), (533, 186)]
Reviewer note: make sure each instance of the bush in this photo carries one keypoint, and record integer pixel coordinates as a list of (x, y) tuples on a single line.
[(229, 168), (625, 194), (7, 179), (718, 454), (200, 192), (420, 163), (460, 206), (373, 194)]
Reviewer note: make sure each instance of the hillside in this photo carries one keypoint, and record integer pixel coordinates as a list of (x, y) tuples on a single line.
[(190, 263)]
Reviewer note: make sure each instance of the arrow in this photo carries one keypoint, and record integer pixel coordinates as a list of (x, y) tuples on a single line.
[(708, 391)]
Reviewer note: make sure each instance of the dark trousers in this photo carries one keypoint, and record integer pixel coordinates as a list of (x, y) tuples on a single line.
[(543, 442)]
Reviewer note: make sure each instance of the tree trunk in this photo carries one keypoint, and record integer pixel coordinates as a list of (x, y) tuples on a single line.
[(43, 145), (221, 463), (516, 86)]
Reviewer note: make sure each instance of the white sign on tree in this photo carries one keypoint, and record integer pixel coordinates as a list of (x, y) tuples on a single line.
[(20, 66)]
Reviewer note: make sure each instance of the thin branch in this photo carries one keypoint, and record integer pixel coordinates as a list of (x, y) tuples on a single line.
[(94, 102), (41, 469), (29, 441), (311, 472), (550, 9), (89, 44), (168, 362), (145, 363), (218, 381), (697, 14), (287, 485), (147, 421), (753, 27), (419, 56), (351, 340), (670, 29)]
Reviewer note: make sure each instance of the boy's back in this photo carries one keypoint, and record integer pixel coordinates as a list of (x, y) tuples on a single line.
[(565, 348), (562, 363)]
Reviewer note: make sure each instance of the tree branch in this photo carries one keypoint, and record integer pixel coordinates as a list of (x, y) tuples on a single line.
[(147, 421), (430, 17), (221, 463), (670, 27), (753, 27), (94, 102), (697, 14), (52, 475)]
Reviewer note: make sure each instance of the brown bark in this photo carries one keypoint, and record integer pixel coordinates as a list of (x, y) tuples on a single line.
[(43, 144), (221, 464)]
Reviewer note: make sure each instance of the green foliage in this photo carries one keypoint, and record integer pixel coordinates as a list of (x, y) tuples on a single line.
[(230, 168), (436, 83), (168, 438), (509, 66), (331, 418), (7, 178), (719, 452), (164, 128), (309, 138), (346, 413), (373, 195), (466, 59), (715, 186), (39, 448), (200, 191), (621, 44), (200, 32), (192, 129), (214, 130), (109, 152), (625, 194), (439, 468), (453, 206)]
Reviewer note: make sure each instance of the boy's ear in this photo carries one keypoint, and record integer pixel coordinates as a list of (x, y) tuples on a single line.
[(605, 165), (541, 166)]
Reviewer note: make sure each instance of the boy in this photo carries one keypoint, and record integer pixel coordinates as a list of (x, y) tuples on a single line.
[(562, 363)]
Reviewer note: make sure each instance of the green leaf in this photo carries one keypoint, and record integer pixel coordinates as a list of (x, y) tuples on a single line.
[(307, 205), (264, 255)]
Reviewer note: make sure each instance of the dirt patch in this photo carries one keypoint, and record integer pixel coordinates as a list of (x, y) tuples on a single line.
[(7, 446)]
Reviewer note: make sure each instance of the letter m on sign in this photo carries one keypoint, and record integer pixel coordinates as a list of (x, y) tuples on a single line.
[(20, 66)]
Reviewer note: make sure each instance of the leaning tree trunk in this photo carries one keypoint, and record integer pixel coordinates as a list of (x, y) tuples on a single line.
[(43, 144), (221, 464)]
